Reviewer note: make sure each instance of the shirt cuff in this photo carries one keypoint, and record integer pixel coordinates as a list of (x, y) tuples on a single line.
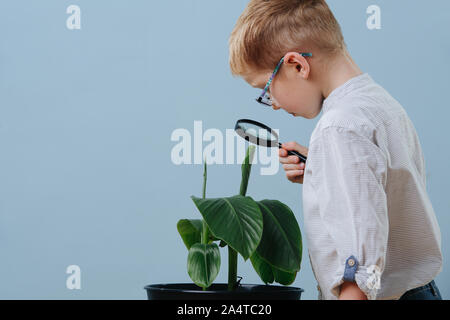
[(367, 278)]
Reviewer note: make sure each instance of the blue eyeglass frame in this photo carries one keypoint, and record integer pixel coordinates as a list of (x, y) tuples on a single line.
[(264, 97)]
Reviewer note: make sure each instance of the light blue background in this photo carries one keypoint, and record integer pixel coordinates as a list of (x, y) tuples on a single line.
[(86, 118)]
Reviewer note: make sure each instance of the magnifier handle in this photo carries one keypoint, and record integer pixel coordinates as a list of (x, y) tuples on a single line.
[(295, 153)]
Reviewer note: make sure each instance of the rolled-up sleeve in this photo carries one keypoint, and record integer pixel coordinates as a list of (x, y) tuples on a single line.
[(350, 178)]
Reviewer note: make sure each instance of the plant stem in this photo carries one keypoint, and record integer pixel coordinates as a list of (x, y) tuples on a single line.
[(205, 175), (232, 268), (232, 254), (205, 230)]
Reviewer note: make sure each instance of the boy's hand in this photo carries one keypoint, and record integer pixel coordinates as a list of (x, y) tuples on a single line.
[(351, 291), (291, 164)]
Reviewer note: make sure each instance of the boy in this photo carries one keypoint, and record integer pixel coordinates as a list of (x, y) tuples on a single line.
[(371, 229)]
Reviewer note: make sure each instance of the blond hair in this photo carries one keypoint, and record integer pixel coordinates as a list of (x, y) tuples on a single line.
[(268, 29)]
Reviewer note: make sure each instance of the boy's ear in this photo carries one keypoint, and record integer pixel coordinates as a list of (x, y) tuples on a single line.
[(298, 62)]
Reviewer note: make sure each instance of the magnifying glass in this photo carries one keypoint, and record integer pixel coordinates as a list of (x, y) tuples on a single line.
[(261, 135)]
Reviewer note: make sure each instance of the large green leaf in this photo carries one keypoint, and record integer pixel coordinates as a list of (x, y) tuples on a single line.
[(236, 220), (269, 273), (262, 268), (190, 231), (281, 242), (283, 277), (203, 263)]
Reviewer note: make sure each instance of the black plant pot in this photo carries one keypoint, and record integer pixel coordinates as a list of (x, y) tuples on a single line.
[(190, 291)]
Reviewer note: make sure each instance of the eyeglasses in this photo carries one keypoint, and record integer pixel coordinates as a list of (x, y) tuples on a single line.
[(264, 98)]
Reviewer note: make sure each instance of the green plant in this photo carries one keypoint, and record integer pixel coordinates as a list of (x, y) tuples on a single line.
[(266, 232)]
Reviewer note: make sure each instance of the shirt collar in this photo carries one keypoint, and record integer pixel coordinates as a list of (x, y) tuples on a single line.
[(344, 89)]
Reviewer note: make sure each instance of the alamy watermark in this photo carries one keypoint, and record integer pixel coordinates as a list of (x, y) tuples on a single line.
[(190, 149), (73, 22), (374, 20), (74, 280)]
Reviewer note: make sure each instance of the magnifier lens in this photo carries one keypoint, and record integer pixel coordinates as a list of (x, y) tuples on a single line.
[(261, 135), (257, 134)]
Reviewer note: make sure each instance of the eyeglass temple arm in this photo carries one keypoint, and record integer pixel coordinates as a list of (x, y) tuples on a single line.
[(304, 54)]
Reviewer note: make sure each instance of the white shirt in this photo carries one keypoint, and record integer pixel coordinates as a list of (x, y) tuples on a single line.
[(365, 198)]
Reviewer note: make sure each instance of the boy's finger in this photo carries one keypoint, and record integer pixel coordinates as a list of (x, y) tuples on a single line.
[(292, 145), (282, 152), (292, 167), (291, 174), (290, 159)]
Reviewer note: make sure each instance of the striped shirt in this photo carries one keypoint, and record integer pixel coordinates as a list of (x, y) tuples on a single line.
[(367, 215)]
